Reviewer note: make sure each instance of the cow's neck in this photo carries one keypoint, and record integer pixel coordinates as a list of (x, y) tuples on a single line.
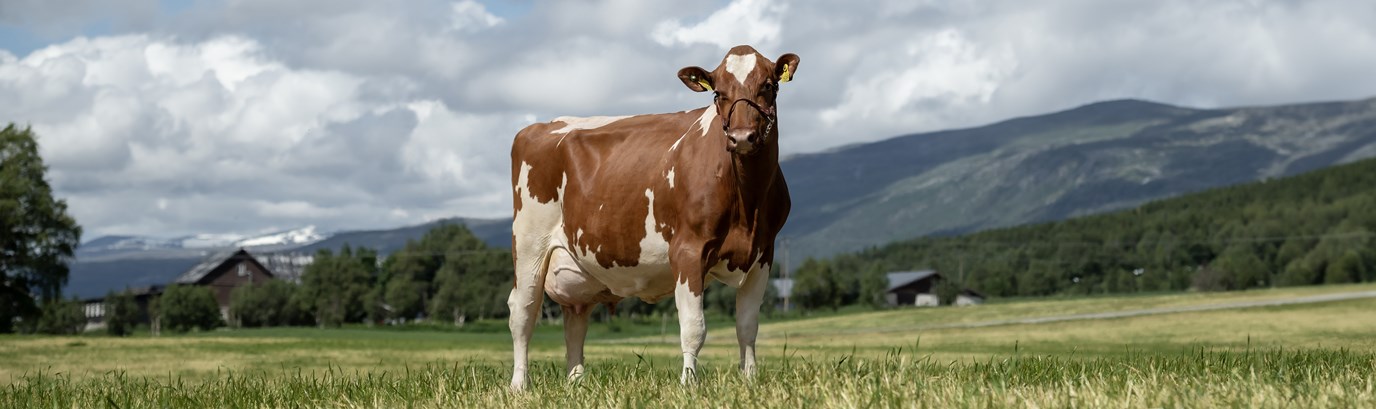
[(749, 180)]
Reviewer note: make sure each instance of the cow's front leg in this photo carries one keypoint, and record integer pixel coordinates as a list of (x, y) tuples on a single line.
[(692, 326), (748, 300)]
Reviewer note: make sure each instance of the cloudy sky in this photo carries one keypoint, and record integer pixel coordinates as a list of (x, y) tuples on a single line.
[(176, 117)]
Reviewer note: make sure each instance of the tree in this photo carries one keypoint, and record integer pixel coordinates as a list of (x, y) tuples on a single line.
[(121, 313), (265, 305), (37, 236), (404, 295), (874, 286), (186, 307), (62, 317), (336, 286), (1237, 268), (815, 287), (472, 284)]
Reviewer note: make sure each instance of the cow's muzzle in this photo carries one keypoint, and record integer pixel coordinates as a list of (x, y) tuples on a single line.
[(744, 141)]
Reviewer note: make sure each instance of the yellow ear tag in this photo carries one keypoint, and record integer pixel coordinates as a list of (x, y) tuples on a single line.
[(788, 75), (705, 84)]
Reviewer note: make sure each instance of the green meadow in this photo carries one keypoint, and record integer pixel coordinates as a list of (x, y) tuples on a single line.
[(1319, 354)]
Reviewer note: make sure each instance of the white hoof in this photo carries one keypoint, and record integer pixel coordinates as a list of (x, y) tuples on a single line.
[(576, 374)]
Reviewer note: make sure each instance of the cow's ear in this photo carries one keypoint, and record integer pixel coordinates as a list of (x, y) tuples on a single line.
[(696, 79), (785, 67)]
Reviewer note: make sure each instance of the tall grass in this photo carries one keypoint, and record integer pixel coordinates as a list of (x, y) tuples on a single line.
[(1199, 378)]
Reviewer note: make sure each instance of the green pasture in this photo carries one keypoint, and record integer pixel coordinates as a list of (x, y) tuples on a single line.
[(1314, 355)]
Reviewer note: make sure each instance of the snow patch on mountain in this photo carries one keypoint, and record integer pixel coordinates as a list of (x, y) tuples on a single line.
[(304, 235), (208, 240)]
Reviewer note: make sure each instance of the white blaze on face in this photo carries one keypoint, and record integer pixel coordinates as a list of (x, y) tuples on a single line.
[(670, 177), (592, 122), (740, 66)]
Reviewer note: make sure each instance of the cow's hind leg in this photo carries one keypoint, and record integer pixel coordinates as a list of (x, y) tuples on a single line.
[(526, 297), (575, 331), (748, 300)]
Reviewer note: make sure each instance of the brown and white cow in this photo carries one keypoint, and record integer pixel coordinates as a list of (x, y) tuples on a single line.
[(651, 206)]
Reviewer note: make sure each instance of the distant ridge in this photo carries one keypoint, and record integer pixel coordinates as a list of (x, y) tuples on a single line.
[(1089, 159)]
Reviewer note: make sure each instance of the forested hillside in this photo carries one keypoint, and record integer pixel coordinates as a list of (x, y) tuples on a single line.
[(1313, 228), (1088, 160)]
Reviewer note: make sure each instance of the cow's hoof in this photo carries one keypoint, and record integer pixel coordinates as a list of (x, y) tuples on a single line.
[(689, 377)]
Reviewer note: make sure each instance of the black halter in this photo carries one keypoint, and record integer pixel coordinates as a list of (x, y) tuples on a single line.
[(769, 114)]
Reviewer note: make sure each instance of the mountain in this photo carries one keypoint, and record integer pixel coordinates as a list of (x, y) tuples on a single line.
[(1318, 227), (494, 232), (107, 248), (1091, 159)]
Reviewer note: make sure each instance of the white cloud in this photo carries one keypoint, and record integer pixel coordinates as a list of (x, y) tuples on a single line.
[(937, 70), (257, 114), (575, 77), (740, 22), (469, 15), (214, 121)]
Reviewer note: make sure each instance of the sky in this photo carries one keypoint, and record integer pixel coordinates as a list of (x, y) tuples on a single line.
[(176, 117)]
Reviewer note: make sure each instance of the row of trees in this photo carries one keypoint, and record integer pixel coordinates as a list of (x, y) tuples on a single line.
[(179, 309), (1314, 228), (448, 275)]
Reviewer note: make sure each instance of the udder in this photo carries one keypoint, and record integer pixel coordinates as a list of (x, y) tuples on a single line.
[(567, 284)]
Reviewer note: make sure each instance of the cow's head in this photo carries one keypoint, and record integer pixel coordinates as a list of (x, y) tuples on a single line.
[(744, 86)]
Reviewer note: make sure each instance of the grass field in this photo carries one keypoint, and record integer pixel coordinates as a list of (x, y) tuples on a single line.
[(1309, 355)]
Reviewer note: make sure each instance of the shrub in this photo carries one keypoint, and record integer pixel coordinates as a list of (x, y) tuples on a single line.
[(264, 305), (189, 307), (121, 314), (62, 317)]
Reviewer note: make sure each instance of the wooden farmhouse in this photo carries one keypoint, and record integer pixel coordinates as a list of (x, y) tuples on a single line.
[(222, 272)]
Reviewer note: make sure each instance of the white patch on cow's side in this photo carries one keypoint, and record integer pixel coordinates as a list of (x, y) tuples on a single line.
[(650, 278), (670, 178), (740, 66), (592, 122), (578, 240), (708, 114), (653, 247)]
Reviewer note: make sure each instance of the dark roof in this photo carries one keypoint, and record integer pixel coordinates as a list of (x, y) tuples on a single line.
[(902, 278), (199, 271)]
